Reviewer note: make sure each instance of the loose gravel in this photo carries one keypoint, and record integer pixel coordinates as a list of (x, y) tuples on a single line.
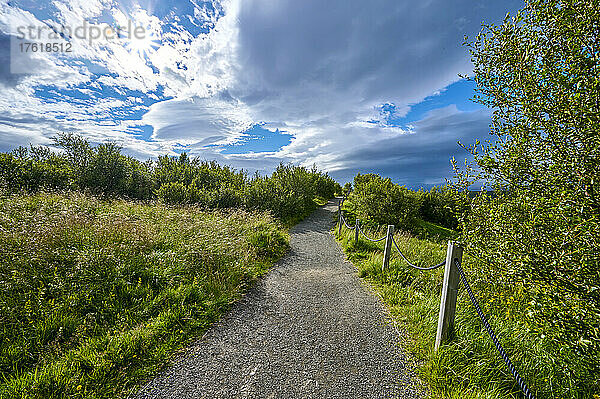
[(309, 329)]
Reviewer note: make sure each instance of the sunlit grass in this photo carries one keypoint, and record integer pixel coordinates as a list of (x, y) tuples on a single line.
[(96, 295)]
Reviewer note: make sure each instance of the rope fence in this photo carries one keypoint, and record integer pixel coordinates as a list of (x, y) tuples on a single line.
[(367, 237), (357, 225), (346, 224), (453, 274), (491, 333), (442, 263)]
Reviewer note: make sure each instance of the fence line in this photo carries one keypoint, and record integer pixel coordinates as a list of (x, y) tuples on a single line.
[(368, 238), (453, 273), (491, 333), (357, 228), (442, 263), (346, 224)]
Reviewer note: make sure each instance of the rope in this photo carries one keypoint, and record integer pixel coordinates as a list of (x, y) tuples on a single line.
[(413, 265), (344, 220), (370, 239), (359, 229), (487, 326)]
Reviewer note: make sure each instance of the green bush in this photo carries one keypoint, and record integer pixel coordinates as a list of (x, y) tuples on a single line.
[(289, 193), (174, 193), (541, 231), (346, 189), (379, 201), (106, 171), (444, 206), (19, 171)]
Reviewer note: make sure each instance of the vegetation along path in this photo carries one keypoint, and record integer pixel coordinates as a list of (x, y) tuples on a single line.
[(309, 329)]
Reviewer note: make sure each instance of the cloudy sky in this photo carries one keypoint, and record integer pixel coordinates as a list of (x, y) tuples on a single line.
[(352, 86)]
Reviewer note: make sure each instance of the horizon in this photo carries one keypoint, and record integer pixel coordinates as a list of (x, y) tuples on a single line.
[(353, 88)]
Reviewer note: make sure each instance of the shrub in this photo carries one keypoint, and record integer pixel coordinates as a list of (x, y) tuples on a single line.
[(538, 71), (289, 193), (29, 170), (174, 193), (380, 201), (346, 189), (106, 171), (444, 206)]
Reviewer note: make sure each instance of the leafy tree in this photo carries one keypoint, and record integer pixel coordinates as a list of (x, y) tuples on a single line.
[(106, 171), (347, 188), (443, 205), (77, 152), (34, 168), (382, 202), (539, 73)]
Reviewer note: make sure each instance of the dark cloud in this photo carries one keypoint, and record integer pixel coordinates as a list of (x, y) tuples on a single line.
[(422, 157), (319, 69), (358, 52)]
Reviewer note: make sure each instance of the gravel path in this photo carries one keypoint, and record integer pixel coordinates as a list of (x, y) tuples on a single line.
[(309, 329)]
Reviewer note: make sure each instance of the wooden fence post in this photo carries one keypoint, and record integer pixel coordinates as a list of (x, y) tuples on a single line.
[(340, 219), (388, 247), (449, 293), (356, 231)]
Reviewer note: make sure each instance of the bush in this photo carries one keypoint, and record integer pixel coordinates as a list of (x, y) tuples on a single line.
[(106, 171), (289, 193), (382, 202), (24, 171), (174, 193), (346, 189), (541, 230), (443, 206)]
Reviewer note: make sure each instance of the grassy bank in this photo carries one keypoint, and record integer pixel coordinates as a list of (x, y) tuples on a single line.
[(469, 366), (96, 295)]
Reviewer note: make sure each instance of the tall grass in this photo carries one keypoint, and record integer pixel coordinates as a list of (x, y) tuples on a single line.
[(96, 295), (469, 365)]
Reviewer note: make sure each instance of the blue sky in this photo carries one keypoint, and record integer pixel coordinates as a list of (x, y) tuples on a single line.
[(350, 86)]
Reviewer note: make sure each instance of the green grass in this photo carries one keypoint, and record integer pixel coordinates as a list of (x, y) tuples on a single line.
[(469, 366), (433, 232), (95, 296)]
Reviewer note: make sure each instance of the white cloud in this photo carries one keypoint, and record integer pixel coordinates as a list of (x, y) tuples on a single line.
[(214, 120)]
